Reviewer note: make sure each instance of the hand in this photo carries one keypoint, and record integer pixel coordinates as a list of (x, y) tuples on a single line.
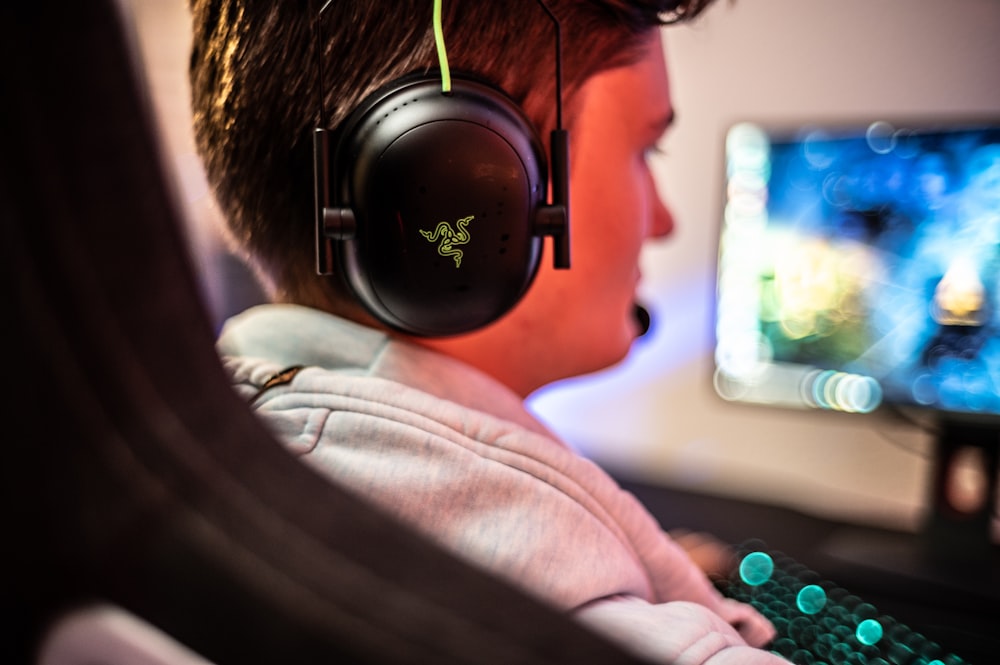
[(675, 632), (715, 558), (748, 622)]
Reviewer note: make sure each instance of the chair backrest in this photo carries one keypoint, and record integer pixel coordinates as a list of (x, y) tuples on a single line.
[(132, 475)]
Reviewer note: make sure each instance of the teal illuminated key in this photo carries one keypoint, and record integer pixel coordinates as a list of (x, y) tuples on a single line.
[(756, 568), (869, 632), (811, 599)]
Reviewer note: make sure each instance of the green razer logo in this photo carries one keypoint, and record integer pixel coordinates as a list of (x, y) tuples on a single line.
[(450, 237)]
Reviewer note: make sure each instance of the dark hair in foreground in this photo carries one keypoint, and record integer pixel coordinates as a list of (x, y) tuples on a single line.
[(255, 92)]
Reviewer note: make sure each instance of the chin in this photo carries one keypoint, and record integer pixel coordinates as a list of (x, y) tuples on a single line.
[(616, 348)]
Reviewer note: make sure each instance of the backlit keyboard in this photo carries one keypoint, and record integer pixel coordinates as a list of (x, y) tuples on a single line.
[(819, 623)]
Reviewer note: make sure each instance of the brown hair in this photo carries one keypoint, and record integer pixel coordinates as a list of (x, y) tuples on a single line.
[(255, 92)]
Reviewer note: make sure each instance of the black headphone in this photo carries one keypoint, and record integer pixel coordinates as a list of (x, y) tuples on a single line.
[(433, 207)]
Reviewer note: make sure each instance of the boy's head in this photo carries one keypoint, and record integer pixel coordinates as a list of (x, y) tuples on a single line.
[(256, 99)]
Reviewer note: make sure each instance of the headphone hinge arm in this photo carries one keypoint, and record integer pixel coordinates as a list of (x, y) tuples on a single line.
[(559, 229), (339, 223), (332, 223), (321, 189), (552, 220)]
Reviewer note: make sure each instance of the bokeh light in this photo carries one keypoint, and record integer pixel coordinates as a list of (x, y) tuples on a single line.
[(861, 268)]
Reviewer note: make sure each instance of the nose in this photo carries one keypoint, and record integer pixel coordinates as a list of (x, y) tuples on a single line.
[(662, 219)]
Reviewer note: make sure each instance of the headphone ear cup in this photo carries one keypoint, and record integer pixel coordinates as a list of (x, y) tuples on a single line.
[(444, 190)]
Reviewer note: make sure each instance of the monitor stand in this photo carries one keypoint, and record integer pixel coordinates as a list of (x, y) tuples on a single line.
[(952, 555)]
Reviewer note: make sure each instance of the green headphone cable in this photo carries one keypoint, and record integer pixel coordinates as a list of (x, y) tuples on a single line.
[(441, 51)]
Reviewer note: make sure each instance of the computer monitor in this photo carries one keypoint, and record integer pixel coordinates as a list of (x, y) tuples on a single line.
[(859, 272)]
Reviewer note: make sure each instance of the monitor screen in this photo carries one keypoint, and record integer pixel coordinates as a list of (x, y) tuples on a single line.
[(859, 268)]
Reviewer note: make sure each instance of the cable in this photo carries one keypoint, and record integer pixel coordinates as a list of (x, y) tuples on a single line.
[(441, 50)]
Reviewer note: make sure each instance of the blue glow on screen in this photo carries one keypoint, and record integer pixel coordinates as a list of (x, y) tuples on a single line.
[(861, 268)]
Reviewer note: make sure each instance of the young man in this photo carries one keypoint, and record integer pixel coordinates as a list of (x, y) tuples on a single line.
[(433, 429)]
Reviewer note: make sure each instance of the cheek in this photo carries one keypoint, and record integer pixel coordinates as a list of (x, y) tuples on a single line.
[(607, 209)]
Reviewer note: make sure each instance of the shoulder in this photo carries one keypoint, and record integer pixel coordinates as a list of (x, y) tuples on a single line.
[(356, 409), (510, 499)]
